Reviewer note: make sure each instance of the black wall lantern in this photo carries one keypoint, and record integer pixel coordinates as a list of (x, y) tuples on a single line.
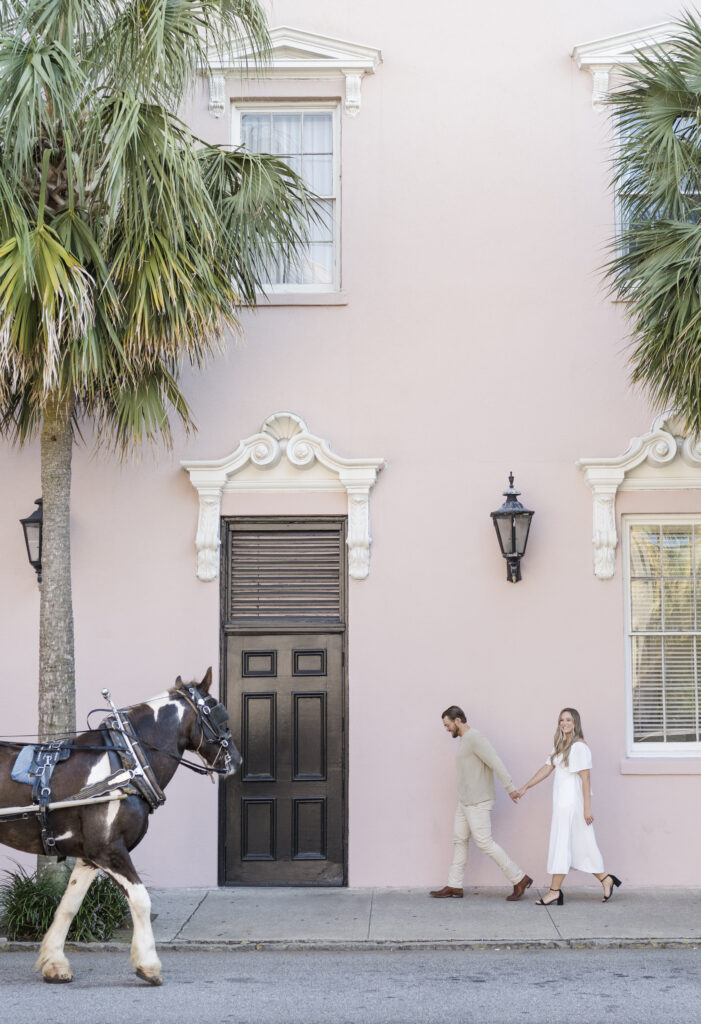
[(32, 526), (512, 522)]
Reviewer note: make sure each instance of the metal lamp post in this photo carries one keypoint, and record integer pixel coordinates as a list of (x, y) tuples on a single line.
[(512, 522), (32, 526)]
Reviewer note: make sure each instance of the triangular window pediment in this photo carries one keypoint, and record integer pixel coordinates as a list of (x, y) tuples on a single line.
[(309, 49), (295, 53), (602, 57)]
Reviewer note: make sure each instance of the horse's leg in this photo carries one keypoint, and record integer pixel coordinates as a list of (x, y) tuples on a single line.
[(143, 946), (52, 961)]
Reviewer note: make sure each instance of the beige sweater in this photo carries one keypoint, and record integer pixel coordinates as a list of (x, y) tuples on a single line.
[(477, 760)]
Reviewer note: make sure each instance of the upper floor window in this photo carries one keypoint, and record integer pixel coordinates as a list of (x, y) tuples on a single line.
[(306, 138), (663, 611)]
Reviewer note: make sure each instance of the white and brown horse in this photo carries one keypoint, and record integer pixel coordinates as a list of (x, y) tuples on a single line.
[(101, 835)]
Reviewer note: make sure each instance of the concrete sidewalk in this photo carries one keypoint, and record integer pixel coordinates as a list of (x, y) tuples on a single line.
[(282, 918)]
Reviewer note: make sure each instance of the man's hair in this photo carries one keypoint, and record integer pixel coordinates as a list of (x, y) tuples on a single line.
[(454, 712)]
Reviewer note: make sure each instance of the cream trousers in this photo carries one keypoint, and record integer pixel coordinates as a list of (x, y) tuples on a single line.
[(476, 820)]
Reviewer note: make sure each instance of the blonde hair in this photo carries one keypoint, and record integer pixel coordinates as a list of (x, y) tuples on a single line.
[(561, 744)]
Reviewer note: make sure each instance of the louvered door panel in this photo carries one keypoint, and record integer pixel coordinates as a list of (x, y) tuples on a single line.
[(284, 574)]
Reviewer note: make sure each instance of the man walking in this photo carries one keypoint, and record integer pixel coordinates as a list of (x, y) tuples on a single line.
[(477, 761)]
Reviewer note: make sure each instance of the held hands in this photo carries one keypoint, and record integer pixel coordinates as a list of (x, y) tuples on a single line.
[(515, 794)]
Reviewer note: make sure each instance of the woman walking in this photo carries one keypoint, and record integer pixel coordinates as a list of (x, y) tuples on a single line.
[(572, 840)]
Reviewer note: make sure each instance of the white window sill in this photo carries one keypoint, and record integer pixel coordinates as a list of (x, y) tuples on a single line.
[(302, 299), (661, 765)]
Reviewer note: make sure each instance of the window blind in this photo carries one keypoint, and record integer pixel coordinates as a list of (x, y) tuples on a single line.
[(665, 633), (304, 140)]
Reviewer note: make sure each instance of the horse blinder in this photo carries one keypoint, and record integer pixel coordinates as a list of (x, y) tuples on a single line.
[(213, 719)]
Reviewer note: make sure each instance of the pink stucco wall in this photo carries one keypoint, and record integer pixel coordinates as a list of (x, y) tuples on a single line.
[(476, 339)]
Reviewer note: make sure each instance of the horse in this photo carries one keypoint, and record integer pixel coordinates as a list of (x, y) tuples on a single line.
[(101, 835)]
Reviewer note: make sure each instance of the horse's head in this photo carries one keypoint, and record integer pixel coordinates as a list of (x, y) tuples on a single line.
[(209, 736)]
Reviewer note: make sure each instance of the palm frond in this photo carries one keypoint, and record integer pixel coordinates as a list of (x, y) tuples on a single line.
[(264, 208), (160, 47), (74, 24), (655, 264), (39, 85), (131, 411), (44, 296), (175, 300)]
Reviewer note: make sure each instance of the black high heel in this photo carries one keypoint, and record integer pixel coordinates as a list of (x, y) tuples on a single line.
[(615, 882), (552, 903)]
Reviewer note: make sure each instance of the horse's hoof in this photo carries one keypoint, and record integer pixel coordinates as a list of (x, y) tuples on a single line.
[(57, 979), (152, 979)]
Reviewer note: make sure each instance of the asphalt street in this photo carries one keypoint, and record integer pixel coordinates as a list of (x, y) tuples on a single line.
[(544, 986)]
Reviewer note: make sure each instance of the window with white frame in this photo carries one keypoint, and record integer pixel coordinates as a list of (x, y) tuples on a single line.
[(663, 605), (305, 136)]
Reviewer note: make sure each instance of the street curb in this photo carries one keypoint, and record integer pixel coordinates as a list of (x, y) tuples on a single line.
[(385, 945)]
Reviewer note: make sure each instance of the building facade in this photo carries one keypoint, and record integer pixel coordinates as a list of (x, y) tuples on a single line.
[(324, 541)]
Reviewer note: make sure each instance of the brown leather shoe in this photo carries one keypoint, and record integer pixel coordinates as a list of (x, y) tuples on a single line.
[(520, 888), (446, 893)]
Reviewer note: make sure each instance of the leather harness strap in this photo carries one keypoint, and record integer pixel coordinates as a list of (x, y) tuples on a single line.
[(46, 757), (141, 776)]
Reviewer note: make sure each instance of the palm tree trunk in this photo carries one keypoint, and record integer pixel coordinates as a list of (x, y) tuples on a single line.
[(56, 645)]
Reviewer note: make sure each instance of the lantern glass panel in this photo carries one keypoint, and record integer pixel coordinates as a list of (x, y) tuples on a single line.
[(523, 524), (32, 532), (504, 529)]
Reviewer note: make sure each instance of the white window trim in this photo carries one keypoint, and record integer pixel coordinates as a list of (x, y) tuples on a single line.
[(297, 54), (603, 57), (301, 106), (664, 459), (654, 751)]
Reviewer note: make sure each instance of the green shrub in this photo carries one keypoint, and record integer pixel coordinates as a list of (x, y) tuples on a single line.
[(28, 903)]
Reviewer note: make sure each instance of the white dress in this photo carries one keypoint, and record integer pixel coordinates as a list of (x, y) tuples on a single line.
[(572, 841)]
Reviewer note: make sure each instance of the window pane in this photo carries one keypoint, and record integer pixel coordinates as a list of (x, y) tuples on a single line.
[(321, 229), (678, 605), (646, 598), (676, 550), (680, 690), (293, 273), (321, 262), (271, 271), (648, 711), (317, 133), (287, 133), (255, 132), (645, 551), (318, 174), (294, 163)]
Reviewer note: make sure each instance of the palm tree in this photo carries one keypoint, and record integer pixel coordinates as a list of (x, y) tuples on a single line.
[(656, 263), (126, 244)]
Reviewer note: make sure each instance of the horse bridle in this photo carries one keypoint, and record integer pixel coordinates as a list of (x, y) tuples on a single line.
[(213, 720)]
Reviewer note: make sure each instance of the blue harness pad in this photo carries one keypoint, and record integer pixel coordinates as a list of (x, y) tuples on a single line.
[(21, 770), (37, 761)]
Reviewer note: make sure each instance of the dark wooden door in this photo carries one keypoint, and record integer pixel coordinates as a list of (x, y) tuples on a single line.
[(284, 813)]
